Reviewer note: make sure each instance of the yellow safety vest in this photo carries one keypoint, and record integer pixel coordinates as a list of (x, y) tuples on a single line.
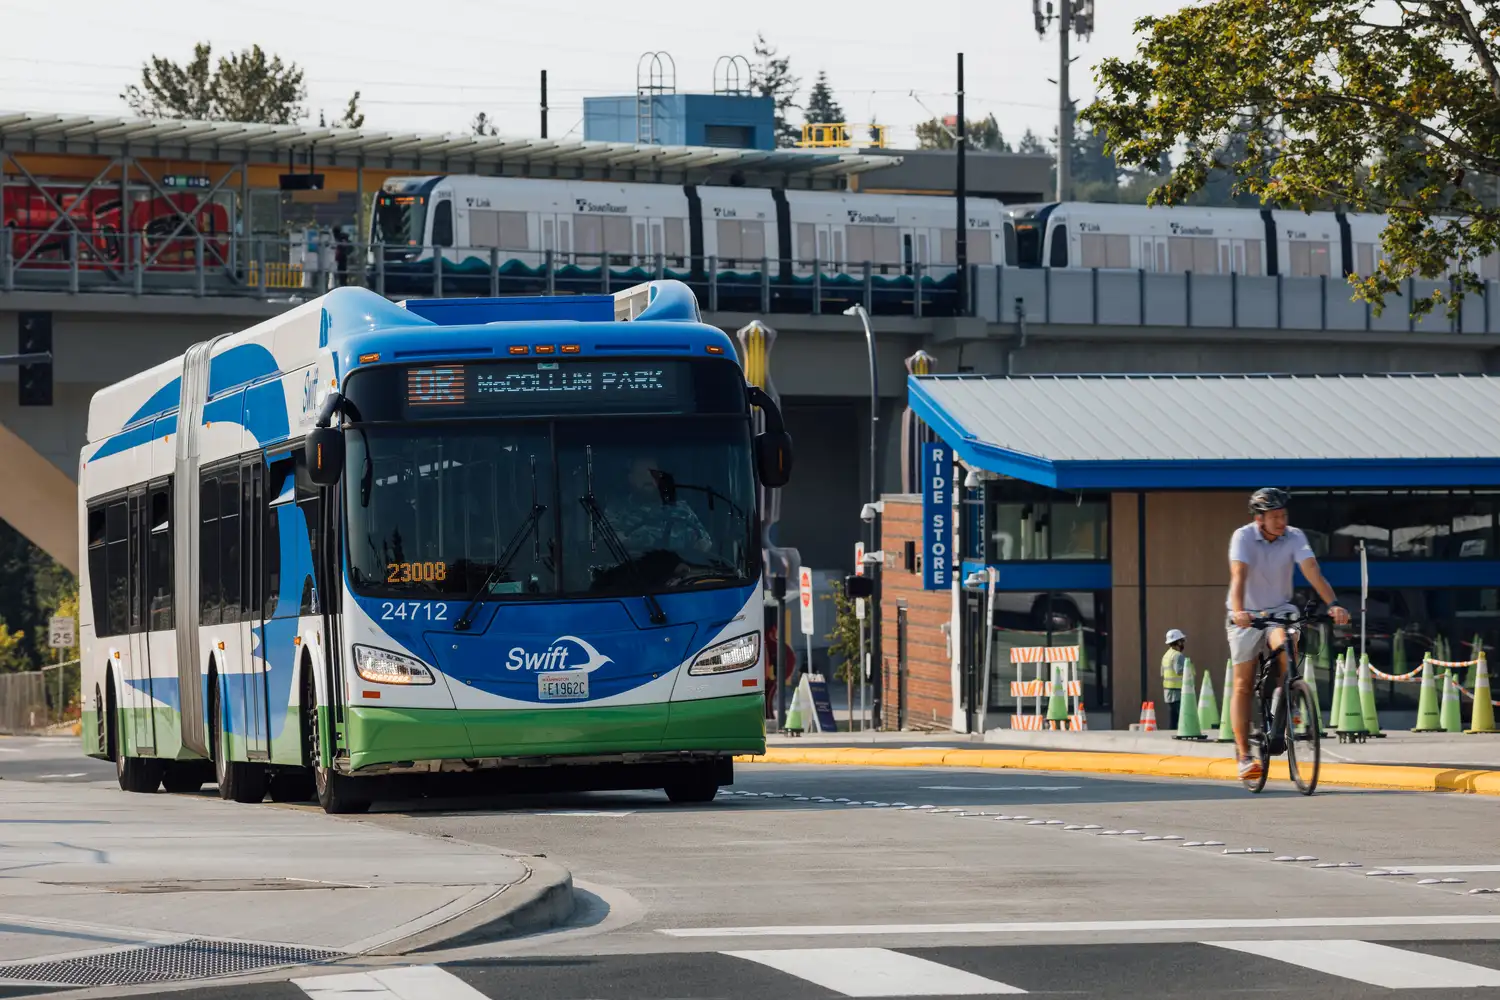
[(1171, 680)]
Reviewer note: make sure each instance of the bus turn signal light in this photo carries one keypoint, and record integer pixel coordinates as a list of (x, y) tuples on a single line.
[(544, 348), (518, 348), (570, 348)]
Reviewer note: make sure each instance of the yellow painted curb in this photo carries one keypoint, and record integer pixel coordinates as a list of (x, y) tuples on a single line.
[(1393, 777)]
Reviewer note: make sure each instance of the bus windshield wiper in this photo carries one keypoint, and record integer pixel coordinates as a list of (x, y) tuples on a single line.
[(512, 547), (612, 541)]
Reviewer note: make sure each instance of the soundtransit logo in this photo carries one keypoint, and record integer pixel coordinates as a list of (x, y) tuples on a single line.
[(584, 205)]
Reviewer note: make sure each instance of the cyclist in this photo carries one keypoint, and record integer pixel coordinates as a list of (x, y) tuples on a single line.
[(1262, 557)]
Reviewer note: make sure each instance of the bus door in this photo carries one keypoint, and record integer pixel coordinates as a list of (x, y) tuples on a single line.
[(255, 656), (135, 672), (160, 642)]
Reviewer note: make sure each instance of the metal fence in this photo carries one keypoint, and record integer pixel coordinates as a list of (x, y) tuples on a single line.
[(33, 700), (279, 268)]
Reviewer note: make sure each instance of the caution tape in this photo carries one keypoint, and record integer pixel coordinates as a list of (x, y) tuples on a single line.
[(1382, 675), (1470, 695), (1453, 663)]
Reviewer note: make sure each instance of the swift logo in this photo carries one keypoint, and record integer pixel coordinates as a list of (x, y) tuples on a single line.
[(556, 656)]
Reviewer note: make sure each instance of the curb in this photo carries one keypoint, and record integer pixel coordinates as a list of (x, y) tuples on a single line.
[(541, 900), (1390, 777)]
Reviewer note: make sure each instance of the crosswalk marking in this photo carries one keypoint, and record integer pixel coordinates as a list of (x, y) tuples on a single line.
[(411, 982), (1367, 962), (1189, 924), (875, 972)]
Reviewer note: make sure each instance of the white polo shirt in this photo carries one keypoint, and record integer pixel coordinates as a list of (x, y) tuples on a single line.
[(1268, 565)]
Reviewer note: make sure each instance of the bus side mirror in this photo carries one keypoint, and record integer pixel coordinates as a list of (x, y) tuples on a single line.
[(325, 455), (773, 458)]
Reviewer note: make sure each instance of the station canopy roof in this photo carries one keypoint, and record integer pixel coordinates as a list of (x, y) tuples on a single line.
[(1156, 432), (424, 152)]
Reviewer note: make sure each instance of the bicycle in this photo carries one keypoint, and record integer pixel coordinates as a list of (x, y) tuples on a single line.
[(1281, 731)]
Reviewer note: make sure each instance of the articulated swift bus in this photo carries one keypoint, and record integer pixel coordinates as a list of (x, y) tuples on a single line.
[(367, 539)]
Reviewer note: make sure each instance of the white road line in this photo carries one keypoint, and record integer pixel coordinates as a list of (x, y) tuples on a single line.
[(1000, 788), (1082, 926), (75, 774), (875, 972), (583, 812), (1445, 869), (1375, 964), (411, 982)]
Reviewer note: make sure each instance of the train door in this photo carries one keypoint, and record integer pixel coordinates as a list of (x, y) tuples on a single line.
[(140, 720), (557, 236), (1153, 253)]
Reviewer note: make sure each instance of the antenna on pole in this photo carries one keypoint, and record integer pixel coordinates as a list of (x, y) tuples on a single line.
[(1077, 17)]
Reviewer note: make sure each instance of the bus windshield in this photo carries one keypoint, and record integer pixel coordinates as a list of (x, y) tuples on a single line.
[(531, 509), (398, 220)]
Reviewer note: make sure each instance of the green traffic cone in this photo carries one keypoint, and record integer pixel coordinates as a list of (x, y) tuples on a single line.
[(1483, 719), (1452, 712), (1057, 705), (1351, 717), (1367, 697), (1336, 710), (1226, 720), (1208, 706), (1187, 720), (1428, 719), (1310, 674)]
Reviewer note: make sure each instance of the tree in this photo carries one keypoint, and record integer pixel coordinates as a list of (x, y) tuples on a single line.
[(1371, 107), (771, 76), (843, 641), (1031, 143), (482, 124), (821, 106), (982, 134), (246, 86)]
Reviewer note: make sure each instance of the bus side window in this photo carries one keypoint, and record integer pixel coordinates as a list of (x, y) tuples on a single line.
[(442, 224), (159, 558), (98, 571), (1059, 253), (310, 503)]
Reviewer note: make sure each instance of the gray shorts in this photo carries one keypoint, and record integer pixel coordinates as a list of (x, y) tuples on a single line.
[(1246, 644)]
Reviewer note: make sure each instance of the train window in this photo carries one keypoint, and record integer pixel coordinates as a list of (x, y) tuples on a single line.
[(1252, 257), (1092, 251), (1059, 252), (861, 243), (617, 239), (887, 245), (515, 234), (590, 233), (641, 246), (981, 242), (753, 239), (1181, 250), (729, 240), (1205, 255), (442, 224), (1364, 258), (948, 254), (484, 228), (1117, 251), (807, 244), (672, 230), (1489, 267), (564, 236), (1012, 245)]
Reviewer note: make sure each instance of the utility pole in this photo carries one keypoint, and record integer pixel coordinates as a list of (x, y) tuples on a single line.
[(961, 245), (1074, 16), (544, 104)]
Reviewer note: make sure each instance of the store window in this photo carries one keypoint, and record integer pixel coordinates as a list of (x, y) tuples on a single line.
[(1030, 618), (1433, 524), (1025, 523)]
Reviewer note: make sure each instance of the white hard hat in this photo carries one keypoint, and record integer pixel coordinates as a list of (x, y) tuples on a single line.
[(1175, 635)]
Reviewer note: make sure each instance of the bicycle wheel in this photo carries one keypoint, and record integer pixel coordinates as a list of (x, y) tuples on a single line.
[(1304, 751)]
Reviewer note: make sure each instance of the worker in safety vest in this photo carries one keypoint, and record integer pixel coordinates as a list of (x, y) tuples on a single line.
[(1173, 665)]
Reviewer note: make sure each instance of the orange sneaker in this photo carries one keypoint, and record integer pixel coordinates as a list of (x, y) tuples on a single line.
[(1249, 768)]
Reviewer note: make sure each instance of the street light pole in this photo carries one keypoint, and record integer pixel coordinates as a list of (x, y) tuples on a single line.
[(873, 543)]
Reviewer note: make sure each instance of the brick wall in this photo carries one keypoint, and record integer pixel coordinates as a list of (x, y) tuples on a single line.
[(929, 697)]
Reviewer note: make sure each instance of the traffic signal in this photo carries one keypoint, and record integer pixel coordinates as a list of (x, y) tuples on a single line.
[(859, 586), (36, 379)]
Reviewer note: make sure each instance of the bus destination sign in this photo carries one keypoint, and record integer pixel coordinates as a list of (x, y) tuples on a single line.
[(549, 386)]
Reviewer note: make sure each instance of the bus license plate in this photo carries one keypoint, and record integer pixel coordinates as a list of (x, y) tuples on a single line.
[(566, 685)]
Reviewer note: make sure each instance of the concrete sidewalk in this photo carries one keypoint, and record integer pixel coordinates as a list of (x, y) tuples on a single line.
[(89, 869), (1480, 752)]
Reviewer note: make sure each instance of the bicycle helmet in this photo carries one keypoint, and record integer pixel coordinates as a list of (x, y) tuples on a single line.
[(1269, 498)]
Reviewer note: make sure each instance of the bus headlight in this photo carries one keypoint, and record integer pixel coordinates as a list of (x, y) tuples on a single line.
[(727, 657), (381, 666)]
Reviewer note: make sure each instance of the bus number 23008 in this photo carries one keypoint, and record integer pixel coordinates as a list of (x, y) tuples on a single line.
[(413, 611)]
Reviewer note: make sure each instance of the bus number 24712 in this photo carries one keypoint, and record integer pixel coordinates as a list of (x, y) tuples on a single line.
[(432, 611)]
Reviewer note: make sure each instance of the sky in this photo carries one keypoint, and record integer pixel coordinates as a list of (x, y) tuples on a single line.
[(430, 66)]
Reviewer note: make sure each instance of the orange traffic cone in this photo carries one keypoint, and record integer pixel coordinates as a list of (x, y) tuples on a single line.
[(1148, 716), (1080, 720)]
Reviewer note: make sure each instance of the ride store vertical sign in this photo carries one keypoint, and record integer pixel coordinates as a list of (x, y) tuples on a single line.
[(937, 516)]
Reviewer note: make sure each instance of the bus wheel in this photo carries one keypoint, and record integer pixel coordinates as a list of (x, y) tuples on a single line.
[(696, 783), (134, 774), (238, 780), (338, 793)]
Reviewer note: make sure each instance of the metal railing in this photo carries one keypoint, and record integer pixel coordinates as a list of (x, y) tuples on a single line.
[(273, 267)]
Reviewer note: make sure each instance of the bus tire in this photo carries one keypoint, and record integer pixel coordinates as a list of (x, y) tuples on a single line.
[(238, 780), (696, 784), (134, 774), (339, 793)]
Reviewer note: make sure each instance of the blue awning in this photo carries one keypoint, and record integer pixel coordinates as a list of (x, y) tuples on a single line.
[(1134, 432)]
